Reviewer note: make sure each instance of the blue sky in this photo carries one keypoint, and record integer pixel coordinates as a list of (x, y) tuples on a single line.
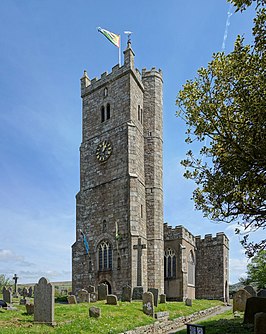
[(44, 48)]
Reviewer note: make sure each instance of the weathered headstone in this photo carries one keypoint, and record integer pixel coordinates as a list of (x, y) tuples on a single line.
[(126, 294), (262, 293), (111, 300), (137, 293), (30, 292), (260, 323), (71, 299), (148, 303), (29, 308), (44, 302), (254, 305), (162, 316), (102, 291), (250, 290), (155, 293), (93, 297), (240, 299), (91, 289), (7, 295), (23, 301), (162, 298), (94, 312), (188, 302), (25, 292), (83, 296)]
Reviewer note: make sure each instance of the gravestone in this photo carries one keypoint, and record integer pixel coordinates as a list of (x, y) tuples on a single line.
[(254, 305), (155, 293), (23, 301), (148, 303), (91, 289), (260, 323), (20, 291), (262, 293), (162, 298), (111, 300), (240, 299), (93, 297), (15, 278), (126, 294), (102, 291), (83, 296), (139, 247), (7, 295), (71, 299), (44, 302), (250, 290), (29, 308), (162, 316), (94, 312), (188, 302), (30, 292), (25, 292), (137, 293)]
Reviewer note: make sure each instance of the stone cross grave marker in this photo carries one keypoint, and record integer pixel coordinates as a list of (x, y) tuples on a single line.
[(15, 278), (139, 248), (148, 303), (44, 302)]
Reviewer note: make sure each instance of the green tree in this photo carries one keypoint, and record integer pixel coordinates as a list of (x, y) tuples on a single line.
[(4, 281), (224, 110), (257, 270)]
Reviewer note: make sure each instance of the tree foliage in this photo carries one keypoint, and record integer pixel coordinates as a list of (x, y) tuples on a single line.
[(257, 270), (4, 281), (224, 109)]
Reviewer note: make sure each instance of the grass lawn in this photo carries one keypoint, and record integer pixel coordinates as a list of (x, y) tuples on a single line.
[(74, 318), (224, 323)]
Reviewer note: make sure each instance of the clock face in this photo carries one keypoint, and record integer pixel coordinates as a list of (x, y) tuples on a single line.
[(103, 151)]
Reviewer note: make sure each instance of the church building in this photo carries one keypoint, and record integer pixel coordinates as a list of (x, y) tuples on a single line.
[(121, 238)]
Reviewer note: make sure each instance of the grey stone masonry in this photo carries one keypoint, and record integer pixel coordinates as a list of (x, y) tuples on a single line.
[(44, 302)]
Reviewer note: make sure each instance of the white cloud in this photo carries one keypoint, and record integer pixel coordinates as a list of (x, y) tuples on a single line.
[(238, 268), (6, 255)]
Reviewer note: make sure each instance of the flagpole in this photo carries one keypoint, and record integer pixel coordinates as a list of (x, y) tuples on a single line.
[(119, 52)]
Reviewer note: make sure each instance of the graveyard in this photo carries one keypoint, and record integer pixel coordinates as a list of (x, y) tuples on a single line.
[(51, 308)]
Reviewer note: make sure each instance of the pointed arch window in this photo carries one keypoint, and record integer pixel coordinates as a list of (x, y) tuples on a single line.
[(169, 263), (191, 268), (108, 111), (102, 114), (105, 256)]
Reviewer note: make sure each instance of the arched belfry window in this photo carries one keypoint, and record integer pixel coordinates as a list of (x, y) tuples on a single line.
[(102, 114), (108, 111), (105, 256), (169, 263), (191, 268)]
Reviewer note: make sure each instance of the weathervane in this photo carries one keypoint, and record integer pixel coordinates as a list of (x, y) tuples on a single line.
[(128, 33)]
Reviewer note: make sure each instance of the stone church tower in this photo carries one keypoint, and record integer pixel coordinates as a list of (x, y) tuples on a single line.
[(119, 208)]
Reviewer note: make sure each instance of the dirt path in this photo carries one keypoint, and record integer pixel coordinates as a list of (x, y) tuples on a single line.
[(221, 310)]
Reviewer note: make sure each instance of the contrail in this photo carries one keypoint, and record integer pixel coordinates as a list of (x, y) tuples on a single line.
[(229, 14)]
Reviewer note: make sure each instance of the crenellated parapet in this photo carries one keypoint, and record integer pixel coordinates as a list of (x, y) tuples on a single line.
[(178, 232), (210, 241)]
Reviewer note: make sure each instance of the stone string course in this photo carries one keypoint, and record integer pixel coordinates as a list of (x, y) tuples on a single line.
[(162, 327)]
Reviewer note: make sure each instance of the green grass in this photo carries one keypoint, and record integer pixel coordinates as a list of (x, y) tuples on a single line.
[(74, 318), (224, 323)]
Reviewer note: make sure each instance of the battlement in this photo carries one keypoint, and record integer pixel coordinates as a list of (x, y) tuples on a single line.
[(178, 232), (209, 240), (152, 72)]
